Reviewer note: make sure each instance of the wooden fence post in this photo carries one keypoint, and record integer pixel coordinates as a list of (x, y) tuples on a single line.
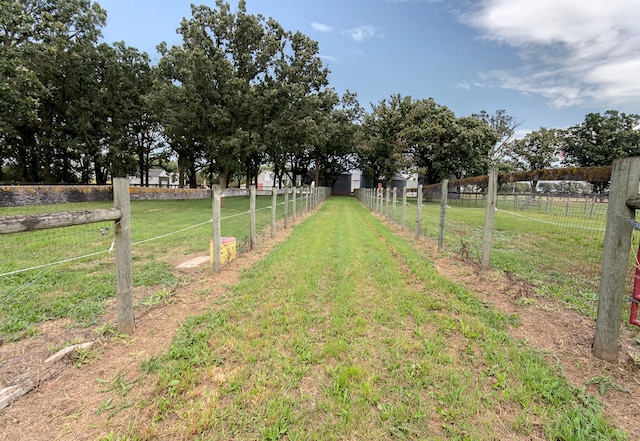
[(625, 176), (294, 191), (286, 206), (252, 216), (404, 206), (444, 195), (419, 213), (124, 265), (216, 228), (274, 204), (490, 211), (387, 194), (394, 190)]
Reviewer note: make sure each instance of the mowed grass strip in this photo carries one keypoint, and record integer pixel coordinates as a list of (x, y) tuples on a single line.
[(346, 332)]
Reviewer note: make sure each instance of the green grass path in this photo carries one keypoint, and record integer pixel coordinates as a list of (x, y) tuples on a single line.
[(346, 332)]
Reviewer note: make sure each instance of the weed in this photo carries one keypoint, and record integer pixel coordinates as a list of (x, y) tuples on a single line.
[(525, 301), (158, 298), (85, 355), (105, 405), (118, 384), (604, 383)]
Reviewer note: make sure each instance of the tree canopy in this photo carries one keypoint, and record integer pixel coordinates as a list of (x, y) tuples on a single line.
[(536, 151), (600, 139), (406, 135), (238, 94)]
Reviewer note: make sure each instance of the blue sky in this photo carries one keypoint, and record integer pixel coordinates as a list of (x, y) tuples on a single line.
[(546, 62)]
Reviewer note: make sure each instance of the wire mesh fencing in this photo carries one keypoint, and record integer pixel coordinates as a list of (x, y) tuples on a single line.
[(552, 241)]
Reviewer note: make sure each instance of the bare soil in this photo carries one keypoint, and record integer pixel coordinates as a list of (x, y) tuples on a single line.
[(64, 407)]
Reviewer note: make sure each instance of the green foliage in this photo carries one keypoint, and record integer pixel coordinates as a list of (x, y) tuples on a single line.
[(81, 289), (382, 150), (72, 109), (536, 151), (504, 126), (238, 92), (422, 135), (600, 139)]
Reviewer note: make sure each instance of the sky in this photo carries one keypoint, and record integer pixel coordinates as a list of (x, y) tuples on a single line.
[(547, 63)]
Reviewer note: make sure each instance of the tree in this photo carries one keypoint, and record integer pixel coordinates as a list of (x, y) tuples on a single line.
[(382, 152), (299, 108), (215, 75), (444, 145), (337, 154), (36, 35), (602, 138), (505, 127), (536, 151)]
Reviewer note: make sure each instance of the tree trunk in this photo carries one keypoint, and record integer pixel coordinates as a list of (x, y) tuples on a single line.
[(223, 179), (193, 181), (181, 168), (141, 164), (98, 171)]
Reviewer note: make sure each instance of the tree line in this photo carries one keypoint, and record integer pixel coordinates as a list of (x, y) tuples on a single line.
[(238, 94)]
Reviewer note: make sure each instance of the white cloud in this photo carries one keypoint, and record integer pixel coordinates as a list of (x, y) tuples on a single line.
[(328, 58), (321, 27), (362, 33), (573, 51)]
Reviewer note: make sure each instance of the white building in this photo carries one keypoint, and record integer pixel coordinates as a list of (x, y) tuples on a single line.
[(157, 178)]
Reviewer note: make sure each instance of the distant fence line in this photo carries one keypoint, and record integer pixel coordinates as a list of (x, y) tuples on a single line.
[(17, 196)]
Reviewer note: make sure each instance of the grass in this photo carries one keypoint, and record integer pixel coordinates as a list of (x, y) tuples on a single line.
[(555, 248), (346, 332), (79, 290)]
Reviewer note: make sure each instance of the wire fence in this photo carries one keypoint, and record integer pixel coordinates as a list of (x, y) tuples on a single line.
[(68, 273), (554, 242)]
